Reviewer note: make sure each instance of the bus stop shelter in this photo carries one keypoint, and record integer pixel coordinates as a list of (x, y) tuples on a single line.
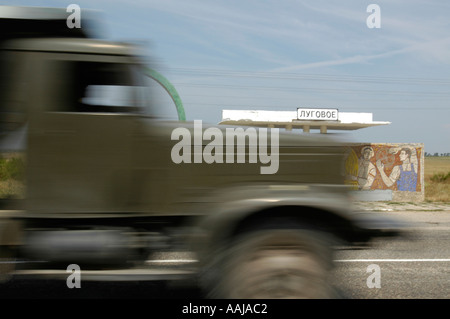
[(304, 119)]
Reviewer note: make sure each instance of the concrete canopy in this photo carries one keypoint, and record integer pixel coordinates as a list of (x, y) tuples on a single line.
[(289, 121)]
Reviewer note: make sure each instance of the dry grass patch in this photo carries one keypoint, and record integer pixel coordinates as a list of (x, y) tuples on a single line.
[(12, 189), (437, 179)]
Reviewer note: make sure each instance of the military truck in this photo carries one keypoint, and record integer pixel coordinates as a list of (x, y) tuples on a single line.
[(104, 192)]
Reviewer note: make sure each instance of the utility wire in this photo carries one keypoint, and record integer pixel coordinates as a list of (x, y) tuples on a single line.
[(309, 89), (309, 77)]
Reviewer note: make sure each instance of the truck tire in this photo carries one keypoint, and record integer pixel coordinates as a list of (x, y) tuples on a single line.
[(274, 264)]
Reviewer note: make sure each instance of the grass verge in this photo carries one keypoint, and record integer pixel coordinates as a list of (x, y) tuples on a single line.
[(437, 179)]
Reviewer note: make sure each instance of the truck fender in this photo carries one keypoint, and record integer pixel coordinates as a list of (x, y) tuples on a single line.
[(228, 217)]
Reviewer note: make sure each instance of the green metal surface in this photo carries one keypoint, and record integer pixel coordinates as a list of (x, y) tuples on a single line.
[(164, 82)]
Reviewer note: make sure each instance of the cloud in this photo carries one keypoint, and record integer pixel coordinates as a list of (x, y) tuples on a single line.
[(439, 49)]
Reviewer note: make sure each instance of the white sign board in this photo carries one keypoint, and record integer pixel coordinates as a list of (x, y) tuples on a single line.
[(317, 114)]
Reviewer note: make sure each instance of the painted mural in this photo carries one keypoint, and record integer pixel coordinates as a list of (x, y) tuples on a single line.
[(396, 167)]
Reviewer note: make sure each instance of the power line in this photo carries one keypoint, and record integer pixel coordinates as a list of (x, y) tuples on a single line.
[(292, 106), (310, 77), (290, 98), (309, 89)]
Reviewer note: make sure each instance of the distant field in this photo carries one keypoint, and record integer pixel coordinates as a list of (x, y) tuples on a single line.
[(437, 179), (435, 165)]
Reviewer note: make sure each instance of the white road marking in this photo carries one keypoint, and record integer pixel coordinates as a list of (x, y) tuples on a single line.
[(172, 261), (394, 260), (337, 260), (19, 262)]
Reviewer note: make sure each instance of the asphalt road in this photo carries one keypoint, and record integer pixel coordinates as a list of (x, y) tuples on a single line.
[(416, 266)]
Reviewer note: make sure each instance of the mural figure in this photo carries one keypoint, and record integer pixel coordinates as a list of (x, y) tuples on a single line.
[(405, 174), (366, 169), (361, 172)]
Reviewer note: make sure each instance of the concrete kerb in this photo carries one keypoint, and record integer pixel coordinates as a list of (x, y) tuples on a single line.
[(403, 206)]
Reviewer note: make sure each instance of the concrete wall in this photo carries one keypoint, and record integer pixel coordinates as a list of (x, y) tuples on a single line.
[(386, 172)]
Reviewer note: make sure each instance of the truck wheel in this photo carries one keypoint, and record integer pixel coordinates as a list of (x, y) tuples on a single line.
[(275, 263)]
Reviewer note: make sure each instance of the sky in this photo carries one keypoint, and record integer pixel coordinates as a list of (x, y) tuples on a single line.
[(285, 54)]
